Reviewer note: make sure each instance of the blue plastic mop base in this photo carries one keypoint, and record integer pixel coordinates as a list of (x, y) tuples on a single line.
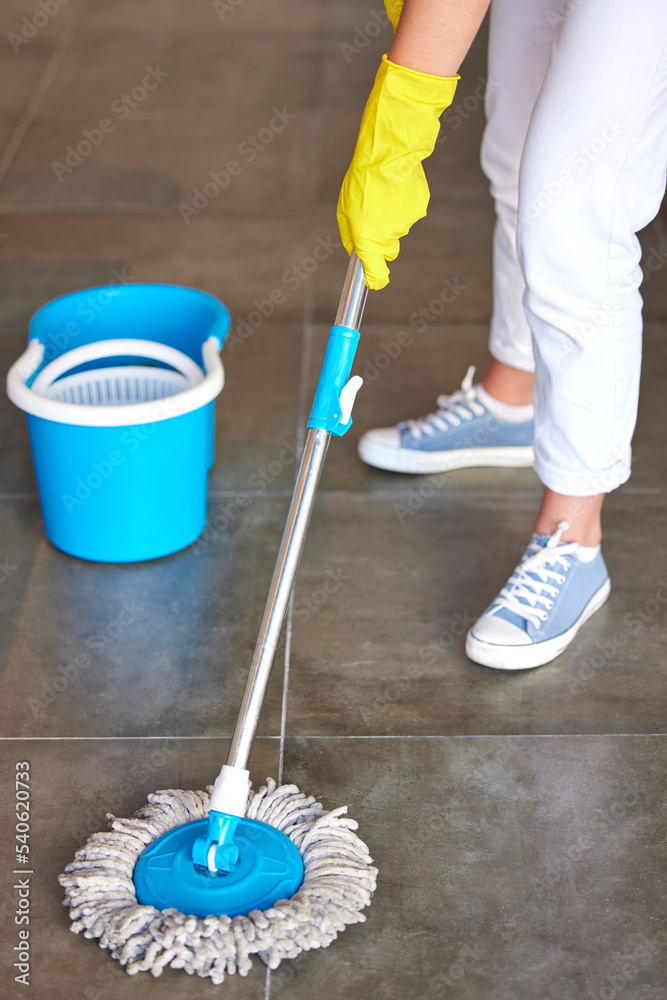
[(270, 868)]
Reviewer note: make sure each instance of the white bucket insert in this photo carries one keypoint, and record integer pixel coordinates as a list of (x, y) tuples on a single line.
[(116, 386)]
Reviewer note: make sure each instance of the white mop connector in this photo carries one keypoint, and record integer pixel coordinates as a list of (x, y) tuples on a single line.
[(231, 790), (217, 851)]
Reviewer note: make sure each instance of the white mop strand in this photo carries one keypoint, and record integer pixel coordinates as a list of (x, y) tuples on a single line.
[(338, 884)]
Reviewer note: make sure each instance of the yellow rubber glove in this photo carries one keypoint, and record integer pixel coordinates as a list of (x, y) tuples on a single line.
[(393, 9), (384, 190)]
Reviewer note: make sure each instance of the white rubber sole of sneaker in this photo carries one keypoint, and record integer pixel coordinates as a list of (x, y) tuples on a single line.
[(406, 460), (535, 654)]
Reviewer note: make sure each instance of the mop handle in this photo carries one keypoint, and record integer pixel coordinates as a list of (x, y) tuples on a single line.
[(330, 415), (353, 296)]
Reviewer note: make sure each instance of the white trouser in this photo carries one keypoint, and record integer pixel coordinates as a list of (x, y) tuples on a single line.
[(576, 152)]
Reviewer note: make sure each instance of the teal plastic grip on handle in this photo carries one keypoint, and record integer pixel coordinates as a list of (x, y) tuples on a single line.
[(327, 412)]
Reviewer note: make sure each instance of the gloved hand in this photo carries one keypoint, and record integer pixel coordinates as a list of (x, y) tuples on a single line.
[(393, 9), (384, 190)]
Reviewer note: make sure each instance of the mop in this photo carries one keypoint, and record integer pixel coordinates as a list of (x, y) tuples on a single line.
[(203, 880)]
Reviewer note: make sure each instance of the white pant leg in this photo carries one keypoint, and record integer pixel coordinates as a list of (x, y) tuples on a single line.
[(520, 38), (592, 175)]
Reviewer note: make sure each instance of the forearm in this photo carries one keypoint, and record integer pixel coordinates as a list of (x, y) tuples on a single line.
[(433, 36)]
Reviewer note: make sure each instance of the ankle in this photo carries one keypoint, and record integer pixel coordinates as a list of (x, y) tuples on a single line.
[(583, 516), (510, 386), (588, 535)]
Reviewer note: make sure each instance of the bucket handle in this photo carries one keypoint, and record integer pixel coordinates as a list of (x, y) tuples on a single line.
[(115, 349), (113, 416)]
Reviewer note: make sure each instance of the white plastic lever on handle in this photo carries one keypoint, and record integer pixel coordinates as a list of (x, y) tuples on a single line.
[(348, 394)]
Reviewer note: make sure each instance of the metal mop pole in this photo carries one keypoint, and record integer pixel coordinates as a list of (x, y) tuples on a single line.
[(330, 415), (349, 315)]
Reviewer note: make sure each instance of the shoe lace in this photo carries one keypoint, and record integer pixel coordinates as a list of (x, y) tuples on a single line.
[(452, 410), (530, 590)]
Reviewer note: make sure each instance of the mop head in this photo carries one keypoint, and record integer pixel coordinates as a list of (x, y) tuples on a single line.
[(338, 884)]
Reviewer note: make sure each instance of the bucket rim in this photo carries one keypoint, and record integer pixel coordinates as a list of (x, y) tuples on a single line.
[(219, 328)]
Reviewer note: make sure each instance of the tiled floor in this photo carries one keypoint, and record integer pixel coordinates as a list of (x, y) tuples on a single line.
[(517, 821)]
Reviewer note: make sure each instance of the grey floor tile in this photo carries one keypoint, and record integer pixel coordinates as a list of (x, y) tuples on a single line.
[(508, 868), (155, 648), (28, 282), (654, 258), (256, 445), (649, 470), (240, 257), (347, 15), (177, 162), (454, 173), (16, 471), (339, 135), (74, 784), (347, 76), (389, 586), (256, 436), (6, 130), (153, 18), (214, 73), (19, 73), (17, 17)]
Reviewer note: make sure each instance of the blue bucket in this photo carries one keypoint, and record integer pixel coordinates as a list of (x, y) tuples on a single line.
[(119, 386)]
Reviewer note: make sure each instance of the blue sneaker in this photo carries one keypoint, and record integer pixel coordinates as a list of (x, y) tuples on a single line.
[(462, 434), (541, 608)]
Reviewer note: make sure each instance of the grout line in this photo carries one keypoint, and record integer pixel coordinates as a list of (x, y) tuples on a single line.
[(43, 84), (267, 987), (57, 739), (253, 208), (378, 494), (165, 114), (389, 494), (473, 736), (372, 494), (379, 736)]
